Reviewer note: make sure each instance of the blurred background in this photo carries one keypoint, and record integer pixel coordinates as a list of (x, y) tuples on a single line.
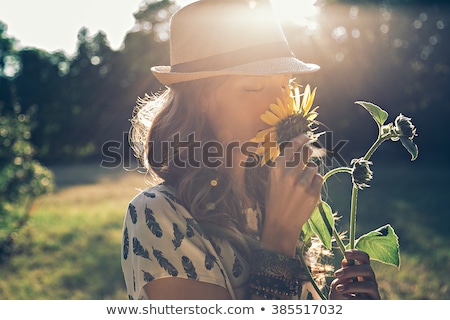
[(67, 173)]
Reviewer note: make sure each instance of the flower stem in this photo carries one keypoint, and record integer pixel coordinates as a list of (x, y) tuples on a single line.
[(330, 228), (352, 226), (376, 144), (336, 170), (339, 241), (354, 200), (354, 197)]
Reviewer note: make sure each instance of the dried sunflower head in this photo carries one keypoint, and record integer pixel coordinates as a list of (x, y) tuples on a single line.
[(361, 173), (404, 127)]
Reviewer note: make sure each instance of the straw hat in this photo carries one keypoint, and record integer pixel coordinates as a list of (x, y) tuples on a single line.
[(227, 37)]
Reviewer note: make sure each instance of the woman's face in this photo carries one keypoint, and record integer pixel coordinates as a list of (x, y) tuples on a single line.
[(235, 108)]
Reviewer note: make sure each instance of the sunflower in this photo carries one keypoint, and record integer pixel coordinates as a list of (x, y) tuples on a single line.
[(287, 120)]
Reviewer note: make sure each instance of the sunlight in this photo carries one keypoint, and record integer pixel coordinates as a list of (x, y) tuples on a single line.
[(301, 12)]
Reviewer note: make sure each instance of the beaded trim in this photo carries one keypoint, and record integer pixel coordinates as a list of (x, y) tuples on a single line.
[(271, 287), (273, 275)]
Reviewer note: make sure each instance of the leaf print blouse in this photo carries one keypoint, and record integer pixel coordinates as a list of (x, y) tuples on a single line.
[(161, 239)]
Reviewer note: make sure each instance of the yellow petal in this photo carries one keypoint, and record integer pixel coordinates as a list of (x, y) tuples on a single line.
[(287, 92), (280, 103), (269, 118), (311, 116), (260, 150), (296, 98), (305, 97), (266, 156), (284, 107), (291, 106), (278, 110), (315, 109), (310, 100), (261, 134), (274, 152)]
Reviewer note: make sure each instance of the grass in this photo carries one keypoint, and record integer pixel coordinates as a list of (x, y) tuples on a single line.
[(71, 247)]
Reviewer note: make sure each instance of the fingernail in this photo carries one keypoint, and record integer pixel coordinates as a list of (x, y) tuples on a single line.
[(349, 253), (339, 273), (340, 287)]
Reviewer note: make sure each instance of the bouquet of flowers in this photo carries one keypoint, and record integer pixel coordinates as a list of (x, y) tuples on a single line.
[(295, 116)]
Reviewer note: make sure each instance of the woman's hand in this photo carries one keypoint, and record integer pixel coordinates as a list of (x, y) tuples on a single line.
[(344, 288), (293, 191)]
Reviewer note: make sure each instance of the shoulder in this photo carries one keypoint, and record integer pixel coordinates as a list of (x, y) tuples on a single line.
[(161, 239), (160, 198), (156, 210)]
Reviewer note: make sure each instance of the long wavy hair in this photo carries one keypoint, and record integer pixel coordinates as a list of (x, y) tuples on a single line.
[(167, 134), (164, 127)]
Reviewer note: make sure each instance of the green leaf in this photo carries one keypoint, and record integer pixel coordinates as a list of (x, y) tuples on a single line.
[(322, 223), (307, 233), (411, 147), (378, 114), (381, 245)]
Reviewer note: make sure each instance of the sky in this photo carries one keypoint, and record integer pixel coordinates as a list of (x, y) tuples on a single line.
[(53, 25)]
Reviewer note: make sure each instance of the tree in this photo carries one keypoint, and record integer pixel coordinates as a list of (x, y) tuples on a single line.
[(7, 57), (41, 85), (129, 74), (392, 55), (22, 178)]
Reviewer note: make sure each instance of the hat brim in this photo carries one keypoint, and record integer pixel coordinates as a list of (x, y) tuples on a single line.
[(274, 66)]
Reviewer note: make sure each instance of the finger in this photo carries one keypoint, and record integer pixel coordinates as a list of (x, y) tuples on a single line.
[(310, 179), (317, 182), (301, 157), (292, 152), (363, 271), (358, 290), (337, 291), (353, 296), (360, 256), (308, 172), (344, 288)]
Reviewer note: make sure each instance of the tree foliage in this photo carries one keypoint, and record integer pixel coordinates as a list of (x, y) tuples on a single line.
[(55, 109), (84, 101), (22, 178), (392, 55)]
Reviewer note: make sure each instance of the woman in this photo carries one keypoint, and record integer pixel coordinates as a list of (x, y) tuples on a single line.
[(213, 229)]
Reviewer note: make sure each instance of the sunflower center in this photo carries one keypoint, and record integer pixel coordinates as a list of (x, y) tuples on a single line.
[(292, 126)]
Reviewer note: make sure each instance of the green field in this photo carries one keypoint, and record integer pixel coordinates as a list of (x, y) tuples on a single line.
[(71, 247)]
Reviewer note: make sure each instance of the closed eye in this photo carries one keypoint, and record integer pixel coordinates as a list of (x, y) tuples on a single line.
[(254, 89)]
